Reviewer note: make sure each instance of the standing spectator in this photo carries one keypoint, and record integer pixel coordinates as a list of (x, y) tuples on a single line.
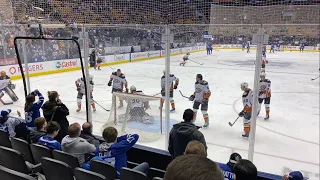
[(182, 133), (53, 129), (39, 131), (245, 170), (55, 110), (227, 169), (193, 167), (114, 150), (294, 175), (75, 145), (8, 123), (31, 109), (197, 148), (132, 49), (86, 134)]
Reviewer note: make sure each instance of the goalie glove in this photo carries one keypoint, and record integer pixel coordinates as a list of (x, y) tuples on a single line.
[(191, 98), (109, 83), (241, 114)]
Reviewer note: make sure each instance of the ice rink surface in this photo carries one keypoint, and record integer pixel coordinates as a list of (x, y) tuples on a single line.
[(288, 141)]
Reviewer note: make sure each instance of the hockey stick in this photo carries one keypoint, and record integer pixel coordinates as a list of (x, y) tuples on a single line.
[(100, 105), (4, 103), (183, 95), (196, 62), (315, 78), (231, 124)]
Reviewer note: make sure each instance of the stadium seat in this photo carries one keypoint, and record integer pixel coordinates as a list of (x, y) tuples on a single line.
[(4, 139), (71, 160), (9, 174), (129, 174), (82, 174), (23, 147), (56, 170), (13, 159), (157, 178), (104, 169), (39, 151)]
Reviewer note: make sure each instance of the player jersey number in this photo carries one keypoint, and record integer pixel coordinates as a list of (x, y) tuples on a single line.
[(28, 117)]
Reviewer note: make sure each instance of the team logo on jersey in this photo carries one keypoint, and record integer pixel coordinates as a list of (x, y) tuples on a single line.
[(263, 87), (116, 81), (198, 90)]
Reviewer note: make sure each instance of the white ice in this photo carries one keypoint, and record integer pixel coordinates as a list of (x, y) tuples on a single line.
[(288, 141)]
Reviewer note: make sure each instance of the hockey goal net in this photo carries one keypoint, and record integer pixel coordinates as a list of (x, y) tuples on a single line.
[(140, 114)]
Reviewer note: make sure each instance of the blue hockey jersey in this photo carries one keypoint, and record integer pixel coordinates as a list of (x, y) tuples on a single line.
[(227, 171), (34, 111), (115, 153), (10, 124), (50, 143)]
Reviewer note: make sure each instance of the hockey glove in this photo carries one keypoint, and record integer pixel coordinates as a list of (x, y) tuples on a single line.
[(191, 98), (175, 86), (127, 90), (260, 93), (241, 114), (109, 83), (78, 88), (205, 101)]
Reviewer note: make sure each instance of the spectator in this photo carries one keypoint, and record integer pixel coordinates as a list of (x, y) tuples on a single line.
[(39, 131), (227, 169), (132, 49), (31, 109), (294, 175), (55, 110), (245, 170), (193, 167), (196, 147), (86, 134), (114, 150), (8, 123), (53, 129), (182, 133), (75, 145)]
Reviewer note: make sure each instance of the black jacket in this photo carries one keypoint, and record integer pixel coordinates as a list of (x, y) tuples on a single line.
[(35, 135), (90, 138), (60, 116), (180, 135)]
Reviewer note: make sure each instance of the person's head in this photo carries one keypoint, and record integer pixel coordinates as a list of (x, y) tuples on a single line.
[(118, 72), (87, 128), (53, 95), (53, 129), (4, 115), (199, 77), (133, 89), (3, 74), (294, 175), (234, 158), (40, 123), (74, 130), (110, 134), (193, 167), (188, 115), (263, 76), (244, 86), (30, 98), (196, 147), (245, 170)]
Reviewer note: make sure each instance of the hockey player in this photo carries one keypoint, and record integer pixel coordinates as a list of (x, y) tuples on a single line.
[(81, 91), (243, 45), (264, 94), (8, 124), (264, 61), (119, 81), (272, 48), (7, 86), (201, 97), (174, 82), (247, 100), (99, 61), (248, 48), (301, 48), (185, 59)]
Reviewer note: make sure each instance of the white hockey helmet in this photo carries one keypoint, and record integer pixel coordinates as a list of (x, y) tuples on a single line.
[(263, 74), (244, 86), (133, 88)]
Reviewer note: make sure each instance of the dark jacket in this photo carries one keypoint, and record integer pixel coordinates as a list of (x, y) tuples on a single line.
[(180, 135), (60, 116), (90, 138), (35, 135)]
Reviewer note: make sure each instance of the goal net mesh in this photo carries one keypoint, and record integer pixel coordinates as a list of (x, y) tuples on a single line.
[(136, 114)]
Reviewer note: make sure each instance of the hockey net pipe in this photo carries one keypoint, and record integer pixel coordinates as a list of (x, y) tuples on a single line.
[(140, 114)]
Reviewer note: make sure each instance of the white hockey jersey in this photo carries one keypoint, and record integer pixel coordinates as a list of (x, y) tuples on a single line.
[(4, 82), (202, 91), (265, 88), (10, 125), (172, 79), (118, 81), (80, 83), (247, 100), (186, 57), (137, 102)]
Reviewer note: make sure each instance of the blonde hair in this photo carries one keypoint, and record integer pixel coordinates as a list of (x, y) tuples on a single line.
[(197, 148)]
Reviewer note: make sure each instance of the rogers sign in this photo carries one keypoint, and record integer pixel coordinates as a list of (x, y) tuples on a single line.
[(66, 64), (31, 68)]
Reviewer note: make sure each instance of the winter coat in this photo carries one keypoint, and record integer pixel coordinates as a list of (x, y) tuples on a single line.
[(60, 112), (180, 135), (90, 138), (35, 135)]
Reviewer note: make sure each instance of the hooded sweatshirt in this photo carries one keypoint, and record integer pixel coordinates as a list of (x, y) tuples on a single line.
[(180, 135), (78, 147)]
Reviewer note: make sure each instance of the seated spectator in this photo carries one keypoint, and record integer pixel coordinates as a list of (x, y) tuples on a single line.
[(245, 170), (86, 134), (76, 145), (294, 175), (114, 150), (32, 109), (39, 131), (9, 123), (53, 129), (197, 148), (227, 169), (182, 133), (193, 167)]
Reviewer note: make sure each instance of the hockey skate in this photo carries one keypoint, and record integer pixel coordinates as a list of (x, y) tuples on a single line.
[(206, 124), (245, 135), (266, 118), (79, 109)]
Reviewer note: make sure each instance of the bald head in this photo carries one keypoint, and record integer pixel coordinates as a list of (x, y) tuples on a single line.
[(74, 130), (87, 128)]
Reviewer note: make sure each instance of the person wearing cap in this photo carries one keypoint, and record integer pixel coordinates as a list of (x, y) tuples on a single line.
[(182, 133), (227, 169), (9, 123), (294, 175)]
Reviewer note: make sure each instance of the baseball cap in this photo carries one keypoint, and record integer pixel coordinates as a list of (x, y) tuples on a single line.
[(296, 175), (5, 113)]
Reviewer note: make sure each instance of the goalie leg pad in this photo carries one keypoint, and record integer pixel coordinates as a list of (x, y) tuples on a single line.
[(146, 119), (11, 93)]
